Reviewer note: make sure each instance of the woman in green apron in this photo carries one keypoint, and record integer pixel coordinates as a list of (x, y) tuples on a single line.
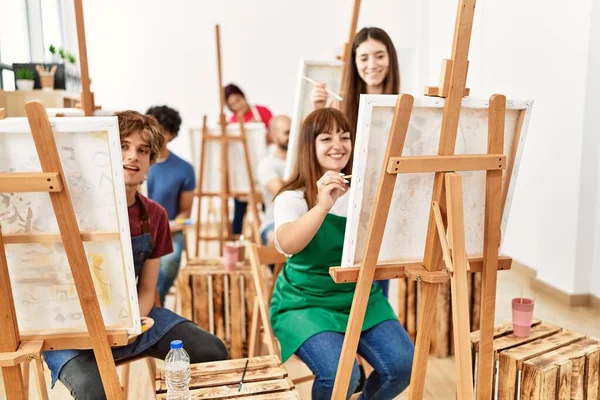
[(309, 312)]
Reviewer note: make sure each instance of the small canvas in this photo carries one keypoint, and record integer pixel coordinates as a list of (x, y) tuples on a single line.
[(406, 225), (256, 133), (45, 297), (328, 72)]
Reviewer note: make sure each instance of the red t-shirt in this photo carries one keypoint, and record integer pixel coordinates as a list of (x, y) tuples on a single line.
[(264, 113), (162, 242)]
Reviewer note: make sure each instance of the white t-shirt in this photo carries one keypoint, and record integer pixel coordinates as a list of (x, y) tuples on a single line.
[(269, 168), (291, 205)]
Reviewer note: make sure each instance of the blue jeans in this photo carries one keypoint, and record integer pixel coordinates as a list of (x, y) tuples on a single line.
[(82, 377), (169, 267), (265, 232), (385, 286), (386, 347), (239, 211)]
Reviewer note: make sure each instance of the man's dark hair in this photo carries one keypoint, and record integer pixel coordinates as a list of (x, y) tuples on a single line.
[(232, 89), (167, 117)]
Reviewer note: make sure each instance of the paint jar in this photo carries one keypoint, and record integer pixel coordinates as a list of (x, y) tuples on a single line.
[(230, 256), (522, 315)]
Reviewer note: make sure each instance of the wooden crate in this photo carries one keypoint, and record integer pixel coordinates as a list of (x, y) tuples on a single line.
[(441, 340), (265, 378), (552, 363), (219, 301)]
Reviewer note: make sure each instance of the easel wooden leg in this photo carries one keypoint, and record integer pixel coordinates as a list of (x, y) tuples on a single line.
[(460, 291), (429, 294), (491, 243), (369, 263), (40, 379), (25, 367), (254, 342), (10, 338)]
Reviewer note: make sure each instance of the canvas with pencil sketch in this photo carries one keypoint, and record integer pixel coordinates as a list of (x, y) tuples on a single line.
[(406, 225)]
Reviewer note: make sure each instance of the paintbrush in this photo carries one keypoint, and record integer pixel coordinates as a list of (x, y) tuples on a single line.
[(337, 96), (243, 375)]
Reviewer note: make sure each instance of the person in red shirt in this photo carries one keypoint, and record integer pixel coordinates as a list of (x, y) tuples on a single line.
[(236, 102)]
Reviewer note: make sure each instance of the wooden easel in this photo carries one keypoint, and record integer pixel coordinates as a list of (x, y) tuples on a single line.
[(224, 227), (15, 349), (447, 210), (347, 53), (87, 97)]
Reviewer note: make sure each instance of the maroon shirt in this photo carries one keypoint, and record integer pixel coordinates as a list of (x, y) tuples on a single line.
[(162, 242)]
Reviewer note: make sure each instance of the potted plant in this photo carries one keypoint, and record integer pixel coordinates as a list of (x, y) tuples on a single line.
[(25, 78)]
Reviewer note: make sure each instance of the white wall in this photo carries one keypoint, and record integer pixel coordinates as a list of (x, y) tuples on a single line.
[(533, 50), (588, 237), (149, 52)]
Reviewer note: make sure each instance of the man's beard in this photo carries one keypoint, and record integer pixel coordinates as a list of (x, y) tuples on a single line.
[(283, 146)]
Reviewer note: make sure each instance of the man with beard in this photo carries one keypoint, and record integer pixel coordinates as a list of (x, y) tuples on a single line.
[(270, 172)]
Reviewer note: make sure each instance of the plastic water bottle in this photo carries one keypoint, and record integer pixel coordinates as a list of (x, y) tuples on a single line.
[(177, 372)]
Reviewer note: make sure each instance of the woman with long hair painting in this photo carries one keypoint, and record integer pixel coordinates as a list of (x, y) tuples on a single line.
[(309, 311)]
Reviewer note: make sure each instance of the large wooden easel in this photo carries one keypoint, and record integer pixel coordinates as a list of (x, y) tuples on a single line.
[(224, 226), (347, 53), (445, 238), (15, 349), (87, 97)]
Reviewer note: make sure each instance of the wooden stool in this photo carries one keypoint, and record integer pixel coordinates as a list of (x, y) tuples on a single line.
[(552, 363), (265, 378), (219, 301)]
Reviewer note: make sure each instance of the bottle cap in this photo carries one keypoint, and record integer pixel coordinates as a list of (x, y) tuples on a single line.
[(176, 344)]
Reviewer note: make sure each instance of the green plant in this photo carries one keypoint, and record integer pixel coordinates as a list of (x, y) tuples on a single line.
[(25, 73), (61, 53), (52, 49), (71, 58)]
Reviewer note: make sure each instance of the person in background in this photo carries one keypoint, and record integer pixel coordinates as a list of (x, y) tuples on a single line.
[(374, 70), (237, 104), (270, 172), (171, 183)]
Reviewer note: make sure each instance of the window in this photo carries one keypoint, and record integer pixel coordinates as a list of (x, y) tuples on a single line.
[(14, 39), (52, 25)]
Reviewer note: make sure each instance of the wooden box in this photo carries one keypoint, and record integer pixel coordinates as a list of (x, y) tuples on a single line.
[(219, 301), (265, 378), (441, 340), (552, 363)]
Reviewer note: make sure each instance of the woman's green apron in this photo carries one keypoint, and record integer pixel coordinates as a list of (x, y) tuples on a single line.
[(306, 301)]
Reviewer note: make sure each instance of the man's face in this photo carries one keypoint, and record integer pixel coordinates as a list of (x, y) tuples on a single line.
[(281, 133), (135, 152)]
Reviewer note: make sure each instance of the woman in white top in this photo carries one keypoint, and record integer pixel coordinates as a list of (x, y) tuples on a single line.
[(309, 311)]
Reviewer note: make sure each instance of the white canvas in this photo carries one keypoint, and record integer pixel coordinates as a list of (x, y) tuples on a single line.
[(406, 226), (328, 72), (44, 291), (238, 177)]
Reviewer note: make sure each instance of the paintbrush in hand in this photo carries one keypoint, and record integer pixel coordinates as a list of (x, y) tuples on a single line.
[(243, 375), (337, 96)]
